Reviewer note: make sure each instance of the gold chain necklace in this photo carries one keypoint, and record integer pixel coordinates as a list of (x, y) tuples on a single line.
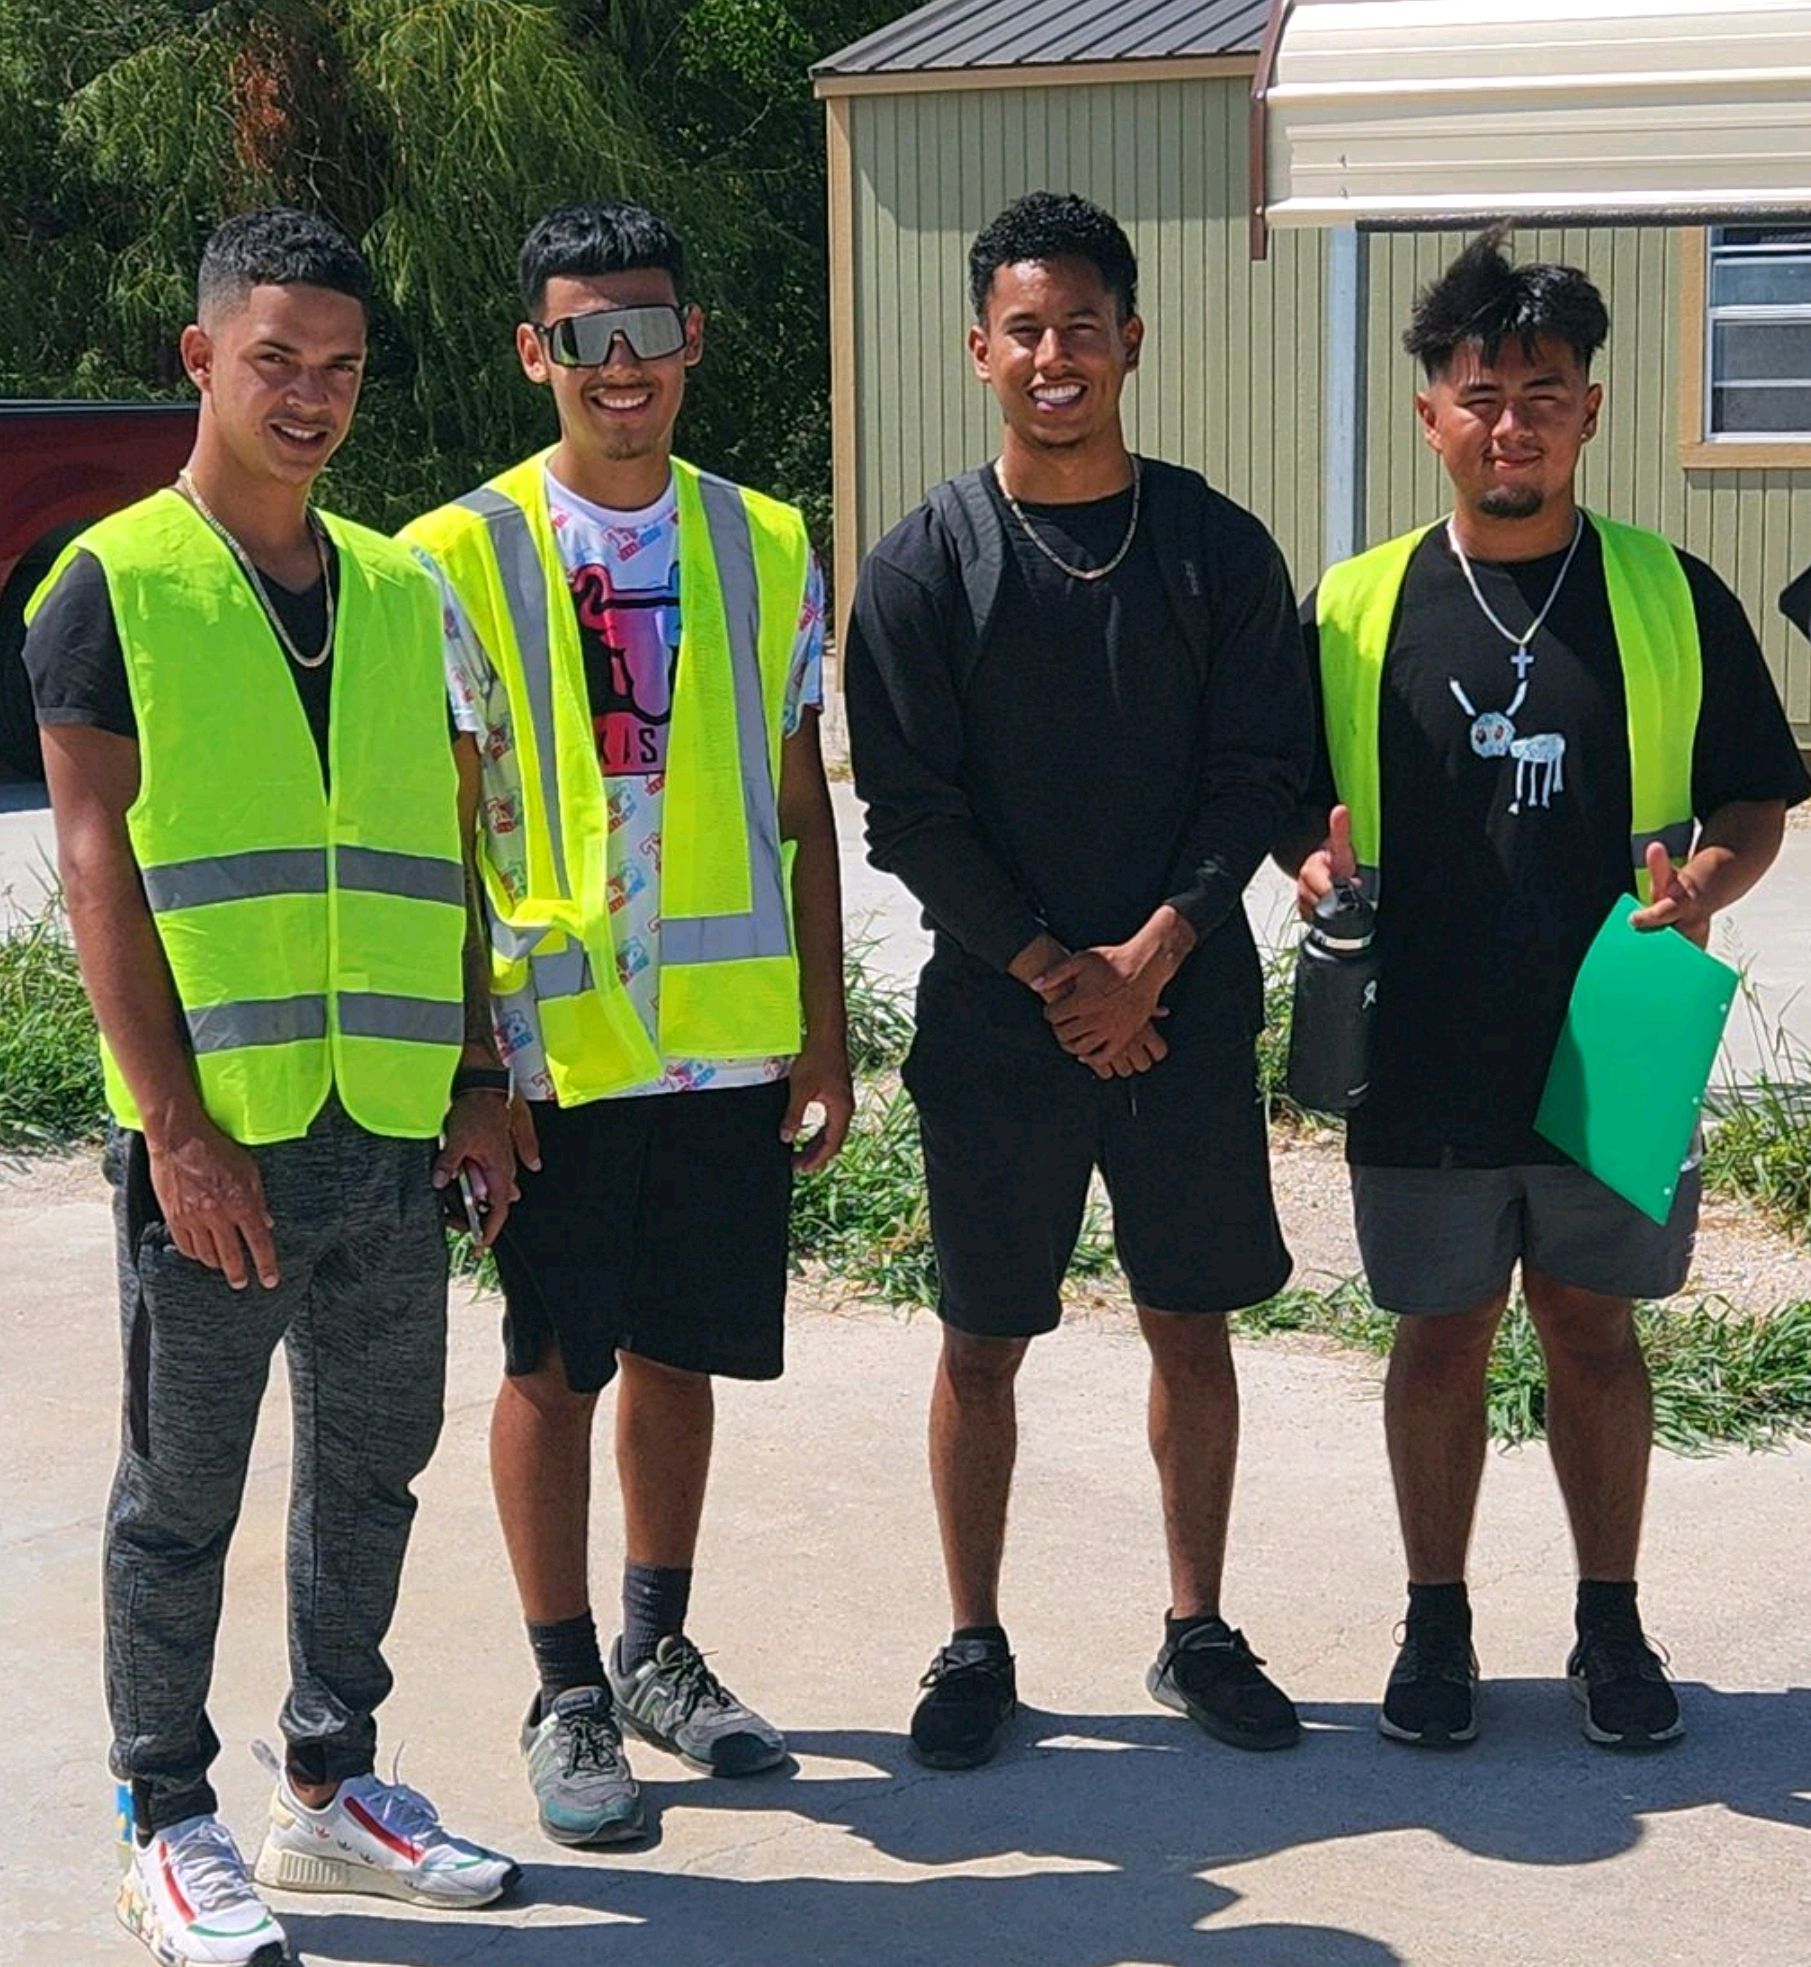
[(186, 485), (1056, 559)]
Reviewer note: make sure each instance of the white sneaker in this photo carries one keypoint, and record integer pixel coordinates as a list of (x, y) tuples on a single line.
[(381, 1838), (187, 1896)]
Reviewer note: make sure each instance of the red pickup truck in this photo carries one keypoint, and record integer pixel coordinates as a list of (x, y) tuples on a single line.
[(63, 466)]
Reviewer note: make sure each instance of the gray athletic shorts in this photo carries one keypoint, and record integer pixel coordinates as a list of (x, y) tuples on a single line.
[(1447, 1239)]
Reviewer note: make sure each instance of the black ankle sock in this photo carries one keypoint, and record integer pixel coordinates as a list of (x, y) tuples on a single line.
[(1600, 1599), (656, 1598), (566, 1656), (1175, 1629), (1450, 1604), (989, 1635)]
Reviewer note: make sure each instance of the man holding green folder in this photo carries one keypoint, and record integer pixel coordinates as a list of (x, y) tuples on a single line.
[(1528, 710)]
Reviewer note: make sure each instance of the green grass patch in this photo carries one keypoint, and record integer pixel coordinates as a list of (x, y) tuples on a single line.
[(50, 1071), (880, 1015), (866, 1218), (1721, 1377), (1757, 1140)]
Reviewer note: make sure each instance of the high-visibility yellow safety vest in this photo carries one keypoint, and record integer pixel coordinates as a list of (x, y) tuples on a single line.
[(729, 977), (314, 936), (1662, 673)]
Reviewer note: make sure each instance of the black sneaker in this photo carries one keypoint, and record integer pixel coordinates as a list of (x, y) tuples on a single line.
[(1211, 1675), (970, 1693), (1432, 1697), (1620, 1682)]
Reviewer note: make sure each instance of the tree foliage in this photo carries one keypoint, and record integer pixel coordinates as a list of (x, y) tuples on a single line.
[(435, 132)]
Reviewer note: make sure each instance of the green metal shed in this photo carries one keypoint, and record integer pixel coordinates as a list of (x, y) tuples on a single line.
[(1145, 105)]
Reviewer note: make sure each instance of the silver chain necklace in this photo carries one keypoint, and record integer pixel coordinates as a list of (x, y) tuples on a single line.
[(1522, 659), (186, 485), (1055, 558)]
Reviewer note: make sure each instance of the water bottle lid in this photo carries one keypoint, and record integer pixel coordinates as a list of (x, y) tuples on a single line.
[(1343, 919)]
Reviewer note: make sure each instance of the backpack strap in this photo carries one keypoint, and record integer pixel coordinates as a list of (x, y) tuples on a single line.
[(1178, 501), (966, 512)]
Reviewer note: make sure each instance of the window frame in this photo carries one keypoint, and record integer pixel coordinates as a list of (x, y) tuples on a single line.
[(1699, 449)]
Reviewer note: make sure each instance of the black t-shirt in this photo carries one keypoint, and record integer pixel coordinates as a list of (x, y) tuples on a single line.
[(1498, 870), (1089, 764), (1098, 661), (78, 669)]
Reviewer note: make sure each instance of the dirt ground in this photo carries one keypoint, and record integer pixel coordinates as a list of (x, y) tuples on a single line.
[(1740, 1256)]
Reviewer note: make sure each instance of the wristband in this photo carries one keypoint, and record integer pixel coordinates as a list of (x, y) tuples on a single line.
[(481, 1079)]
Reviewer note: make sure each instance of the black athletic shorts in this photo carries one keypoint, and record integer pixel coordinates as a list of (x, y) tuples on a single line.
[(1013, 1132), (657, 1225)]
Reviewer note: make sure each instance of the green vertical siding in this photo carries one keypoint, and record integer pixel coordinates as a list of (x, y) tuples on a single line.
[(1230, 382), (1232, 378)]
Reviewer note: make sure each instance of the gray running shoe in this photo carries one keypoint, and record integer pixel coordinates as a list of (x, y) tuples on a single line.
[(677, 1703), (578, 1771)]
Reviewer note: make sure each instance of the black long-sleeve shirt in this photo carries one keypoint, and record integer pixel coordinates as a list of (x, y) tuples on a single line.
[(1093, 756)]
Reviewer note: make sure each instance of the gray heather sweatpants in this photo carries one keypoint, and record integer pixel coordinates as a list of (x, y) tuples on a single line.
[(361, 1312)]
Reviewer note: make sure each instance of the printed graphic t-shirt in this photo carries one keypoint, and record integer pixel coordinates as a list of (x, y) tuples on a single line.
[(623, 572), (1506, 822)]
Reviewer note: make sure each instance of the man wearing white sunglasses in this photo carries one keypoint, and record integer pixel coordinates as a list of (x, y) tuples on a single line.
[(637, 661)]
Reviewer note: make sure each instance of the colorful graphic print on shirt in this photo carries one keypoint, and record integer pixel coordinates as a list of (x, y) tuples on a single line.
[(630, 640)]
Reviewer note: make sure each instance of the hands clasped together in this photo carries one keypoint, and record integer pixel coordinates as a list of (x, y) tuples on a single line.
[(1103, 1004)]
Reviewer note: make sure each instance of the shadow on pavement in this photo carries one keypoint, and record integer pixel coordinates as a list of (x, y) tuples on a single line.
[(23, 795), (1109, 1823)]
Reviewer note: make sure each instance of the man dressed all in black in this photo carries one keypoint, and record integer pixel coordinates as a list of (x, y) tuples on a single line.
[(1078, 706)]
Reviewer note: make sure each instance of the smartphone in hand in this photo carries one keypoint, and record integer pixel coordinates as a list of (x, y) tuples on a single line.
[(460, 1203)]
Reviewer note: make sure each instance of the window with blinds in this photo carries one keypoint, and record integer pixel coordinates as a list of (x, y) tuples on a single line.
[(1758, 348)]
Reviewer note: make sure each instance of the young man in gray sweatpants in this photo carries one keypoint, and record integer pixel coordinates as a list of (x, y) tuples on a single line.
[(259, 826)]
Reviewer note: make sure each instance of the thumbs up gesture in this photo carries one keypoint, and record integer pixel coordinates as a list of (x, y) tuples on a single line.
[(1677, 904), (1333, 860)]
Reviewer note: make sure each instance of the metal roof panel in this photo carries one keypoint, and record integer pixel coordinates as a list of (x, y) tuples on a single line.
[(956, 34)]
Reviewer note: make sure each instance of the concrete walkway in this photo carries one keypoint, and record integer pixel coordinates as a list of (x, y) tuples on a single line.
[(1111, 1834), (27, 847)]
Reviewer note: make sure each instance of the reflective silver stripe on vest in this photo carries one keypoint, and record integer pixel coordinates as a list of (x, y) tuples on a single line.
[(1676, 839), (266, 871), (257, 1021), (563, 972), (236, 877), (415, 877), (425, 1020), (764, 930), (525, 594), (512, 944), (363, 1014)]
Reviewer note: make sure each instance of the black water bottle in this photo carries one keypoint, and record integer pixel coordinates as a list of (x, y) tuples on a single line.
[(1335, 1002)]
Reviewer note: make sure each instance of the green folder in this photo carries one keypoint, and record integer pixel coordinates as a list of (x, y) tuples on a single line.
[(1627, 1081)]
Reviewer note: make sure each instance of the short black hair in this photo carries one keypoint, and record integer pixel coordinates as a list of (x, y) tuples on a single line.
[(1054, 225), (1484, 298), (581, 241), (278, 247)]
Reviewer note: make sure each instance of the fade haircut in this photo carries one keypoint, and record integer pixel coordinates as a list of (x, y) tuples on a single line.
[(277, 247), (582, 241), (1054, 225), (1484, 298)]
